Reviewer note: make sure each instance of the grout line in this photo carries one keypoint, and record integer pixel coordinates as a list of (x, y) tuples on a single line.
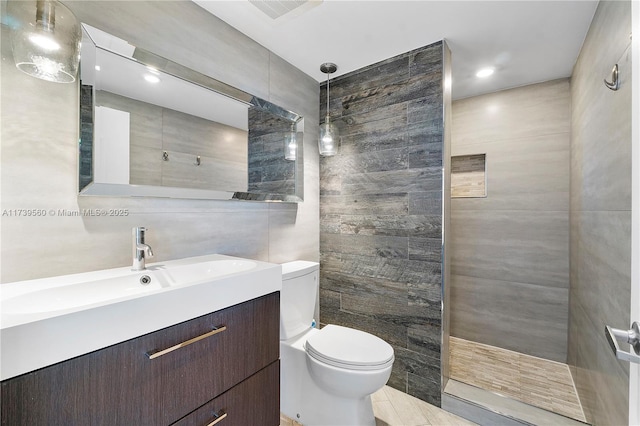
[(511, 282)]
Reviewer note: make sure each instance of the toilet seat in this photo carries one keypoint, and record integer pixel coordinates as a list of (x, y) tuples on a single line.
[(350, 349)]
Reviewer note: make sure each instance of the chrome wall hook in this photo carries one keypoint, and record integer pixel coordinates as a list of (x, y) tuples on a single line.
[(614, 84), (197, 163)]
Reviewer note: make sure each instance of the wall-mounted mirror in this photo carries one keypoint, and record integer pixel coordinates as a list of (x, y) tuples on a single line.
[(152, 127)]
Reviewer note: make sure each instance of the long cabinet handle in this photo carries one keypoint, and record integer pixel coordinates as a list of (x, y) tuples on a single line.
[(155, 354), (220, 415)]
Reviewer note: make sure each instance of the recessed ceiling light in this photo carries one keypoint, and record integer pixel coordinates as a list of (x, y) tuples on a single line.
[(485, 72), (151, 78), (97, 67)]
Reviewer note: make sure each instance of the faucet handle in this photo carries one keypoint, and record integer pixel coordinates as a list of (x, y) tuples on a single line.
[(140, 249)]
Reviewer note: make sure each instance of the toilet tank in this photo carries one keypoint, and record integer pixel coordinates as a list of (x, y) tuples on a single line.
[(298, 297)]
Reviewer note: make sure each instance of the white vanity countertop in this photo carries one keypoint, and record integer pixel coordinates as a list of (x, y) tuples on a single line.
[(35, 333)]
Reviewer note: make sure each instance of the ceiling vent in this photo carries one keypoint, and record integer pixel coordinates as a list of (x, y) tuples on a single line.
[(277, 8)]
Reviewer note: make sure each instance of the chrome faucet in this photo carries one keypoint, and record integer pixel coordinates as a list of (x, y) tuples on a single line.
[(140, 249)]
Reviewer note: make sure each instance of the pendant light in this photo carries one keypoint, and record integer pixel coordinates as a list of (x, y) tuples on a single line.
[(45, 39), (329, 141), (290, 144)]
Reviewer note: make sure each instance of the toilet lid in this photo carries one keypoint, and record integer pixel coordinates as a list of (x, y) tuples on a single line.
[(348, 348)]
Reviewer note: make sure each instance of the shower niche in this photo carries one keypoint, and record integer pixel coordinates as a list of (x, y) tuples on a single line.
[(469, 176)]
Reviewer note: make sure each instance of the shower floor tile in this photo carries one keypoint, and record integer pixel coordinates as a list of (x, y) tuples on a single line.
[(539, 382)]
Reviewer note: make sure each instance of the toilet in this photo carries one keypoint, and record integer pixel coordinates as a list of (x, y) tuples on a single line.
[(327, 376)]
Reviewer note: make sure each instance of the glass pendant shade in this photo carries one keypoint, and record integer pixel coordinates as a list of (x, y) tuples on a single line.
[(290, 146), (45, 39), (329, 141)]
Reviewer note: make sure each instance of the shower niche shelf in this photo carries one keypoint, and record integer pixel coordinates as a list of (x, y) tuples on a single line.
[(469, 176)]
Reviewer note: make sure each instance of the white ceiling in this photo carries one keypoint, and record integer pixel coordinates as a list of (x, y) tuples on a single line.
[(526, 41)]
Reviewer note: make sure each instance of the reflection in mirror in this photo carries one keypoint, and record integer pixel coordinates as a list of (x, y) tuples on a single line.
[(151, 127)]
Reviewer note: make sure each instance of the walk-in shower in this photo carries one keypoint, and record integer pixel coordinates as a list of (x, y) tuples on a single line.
[(540, 262)]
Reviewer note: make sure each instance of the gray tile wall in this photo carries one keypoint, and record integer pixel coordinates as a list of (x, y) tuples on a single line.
[(510, 250), (381, 212), (601, 215), (268, 170), (39, 130)]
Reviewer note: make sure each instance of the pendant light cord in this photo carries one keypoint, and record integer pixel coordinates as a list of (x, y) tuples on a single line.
[(327, 117)]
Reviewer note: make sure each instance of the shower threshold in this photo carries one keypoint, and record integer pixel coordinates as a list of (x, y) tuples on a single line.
[(487, 408)]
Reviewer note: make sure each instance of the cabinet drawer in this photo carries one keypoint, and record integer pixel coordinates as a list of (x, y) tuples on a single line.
[(121, 385), (256, 401)]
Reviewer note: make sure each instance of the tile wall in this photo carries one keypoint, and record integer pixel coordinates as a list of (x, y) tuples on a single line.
[(39, 159), (381, 212), (268, 169), (510, 250), (601, 214)]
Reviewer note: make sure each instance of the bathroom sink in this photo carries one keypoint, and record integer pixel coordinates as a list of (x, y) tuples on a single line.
[(100, 287), (76, 314), (132, 283), (196, 272), (81, 294)]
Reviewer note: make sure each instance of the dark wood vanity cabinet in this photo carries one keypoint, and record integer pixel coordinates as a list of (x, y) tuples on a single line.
[(231, 375), (246, 404)]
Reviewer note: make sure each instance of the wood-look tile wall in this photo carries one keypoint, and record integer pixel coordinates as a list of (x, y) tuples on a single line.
[(510, 250), (381, 212), (601, 215), (268, 170), (39, 134)]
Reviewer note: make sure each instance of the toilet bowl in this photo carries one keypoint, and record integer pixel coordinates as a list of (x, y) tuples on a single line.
[(327, 376)]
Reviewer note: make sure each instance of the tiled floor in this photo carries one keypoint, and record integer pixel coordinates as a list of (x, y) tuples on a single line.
[(286, 421), (535, 381), (394, 408)]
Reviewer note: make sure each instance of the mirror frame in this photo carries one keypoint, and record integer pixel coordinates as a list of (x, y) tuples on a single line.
[(175, 69)]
